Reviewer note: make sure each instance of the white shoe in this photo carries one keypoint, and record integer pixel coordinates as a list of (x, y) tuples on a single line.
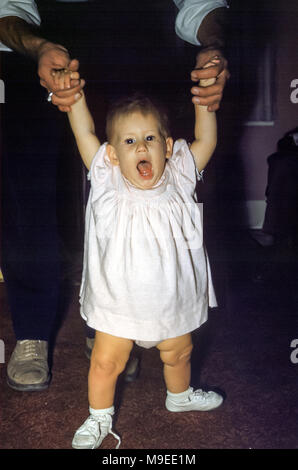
[(93, 431), (195, 401)]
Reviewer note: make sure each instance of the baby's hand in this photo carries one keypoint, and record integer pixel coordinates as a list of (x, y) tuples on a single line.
[(65, 80), (209, 81), (68, 88), (62, 78)]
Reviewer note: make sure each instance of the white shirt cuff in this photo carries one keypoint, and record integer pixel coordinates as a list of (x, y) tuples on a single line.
[(191, 15), (25, 9)]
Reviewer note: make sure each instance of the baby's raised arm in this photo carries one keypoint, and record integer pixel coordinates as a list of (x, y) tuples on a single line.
[(82, 125), (205, 132), (80, 119)]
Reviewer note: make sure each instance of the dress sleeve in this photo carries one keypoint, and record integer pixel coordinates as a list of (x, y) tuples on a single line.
[(25, 9), (183, 163), (100, 166), (191, 15)]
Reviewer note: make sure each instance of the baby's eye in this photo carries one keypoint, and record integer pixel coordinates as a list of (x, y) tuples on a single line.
[(130, 141), (149, 138)]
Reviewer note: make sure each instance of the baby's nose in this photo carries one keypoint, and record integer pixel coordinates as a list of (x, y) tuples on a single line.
[(141, 147)]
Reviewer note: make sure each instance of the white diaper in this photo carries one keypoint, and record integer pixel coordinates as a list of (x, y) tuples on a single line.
[(147, 344)]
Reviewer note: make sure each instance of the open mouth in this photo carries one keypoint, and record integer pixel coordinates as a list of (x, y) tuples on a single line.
[(145, 169)]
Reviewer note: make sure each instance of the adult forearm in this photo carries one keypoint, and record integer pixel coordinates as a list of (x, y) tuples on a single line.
[(25, 39), (211, 32), (21, 37)]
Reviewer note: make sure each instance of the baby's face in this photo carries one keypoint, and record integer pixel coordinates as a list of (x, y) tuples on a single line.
[(140, 149)]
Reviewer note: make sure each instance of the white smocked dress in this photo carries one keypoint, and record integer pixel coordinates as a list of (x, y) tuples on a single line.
[(146, 273)]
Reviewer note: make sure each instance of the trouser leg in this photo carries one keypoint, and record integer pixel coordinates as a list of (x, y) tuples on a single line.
[(30, 258)]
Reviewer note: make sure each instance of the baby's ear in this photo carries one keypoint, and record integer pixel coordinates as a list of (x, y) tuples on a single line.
[(169, 144), (112, 154)]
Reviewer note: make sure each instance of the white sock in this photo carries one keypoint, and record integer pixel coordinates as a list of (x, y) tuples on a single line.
[(179, 397), (105, 411)]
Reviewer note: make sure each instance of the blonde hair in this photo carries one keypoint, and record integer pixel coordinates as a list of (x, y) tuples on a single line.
[(137, 103)]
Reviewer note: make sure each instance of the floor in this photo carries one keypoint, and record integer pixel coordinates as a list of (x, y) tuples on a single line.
[(244, 351)]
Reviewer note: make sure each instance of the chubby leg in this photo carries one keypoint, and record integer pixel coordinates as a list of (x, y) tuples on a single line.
[(175, 354), (109, 357)]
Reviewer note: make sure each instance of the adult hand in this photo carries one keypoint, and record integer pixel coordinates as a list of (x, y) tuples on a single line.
[(211, 95), (65, 97), (52, 57)]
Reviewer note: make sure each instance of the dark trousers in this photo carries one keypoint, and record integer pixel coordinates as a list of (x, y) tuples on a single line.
[(30, 260)]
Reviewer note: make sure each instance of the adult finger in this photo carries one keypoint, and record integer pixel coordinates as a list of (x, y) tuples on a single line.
[(64, 109), (68, 101), (76, 87), (210, 101), (210, 90), (209, 72), (205, 55), (67, 97)]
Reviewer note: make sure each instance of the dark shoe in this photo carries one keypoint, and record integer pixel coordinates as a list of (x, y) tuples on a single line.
[(262, 238), (89, 347), (132, 369)]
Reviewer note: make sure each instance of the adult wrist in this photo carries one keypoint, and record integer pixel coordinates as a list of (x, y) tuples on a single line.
[(211, 33), (45, 46), (213, 47)]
